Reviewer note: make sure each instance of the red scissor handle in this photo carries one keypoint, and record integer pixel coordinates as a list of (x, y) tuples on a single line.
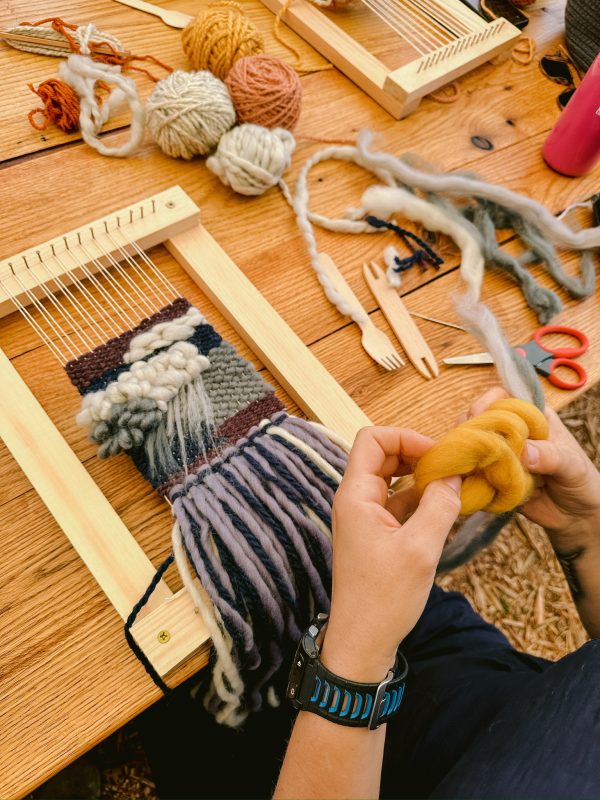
[(575, 366), (563, 352)]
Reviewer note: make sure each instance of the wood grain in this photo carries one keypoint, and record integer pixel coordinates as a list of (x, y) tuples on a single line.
[(67, 678)]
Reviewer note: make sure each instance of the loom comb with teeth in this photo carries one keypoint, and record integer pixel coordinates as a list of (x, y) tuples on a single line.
[(411, 47)]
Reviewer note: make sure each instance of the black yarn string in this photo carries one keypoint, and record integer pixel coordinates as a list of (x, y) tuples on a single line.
[(424, 253), (137, 650)]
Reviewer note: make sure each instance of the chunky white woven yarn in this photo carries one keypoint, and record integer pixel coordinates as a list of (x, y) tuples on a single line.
[(82, 74), (163, 335), (188, 112), (252, 159), (159, 379)]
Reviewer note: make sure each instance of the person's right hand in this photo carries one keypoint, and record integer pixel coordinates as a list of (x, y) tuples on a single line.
[(566, 501)]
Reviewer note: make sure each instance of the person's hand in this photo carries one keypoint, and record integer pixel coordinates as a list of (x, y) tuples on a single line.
[(566, 500), (383, 566)]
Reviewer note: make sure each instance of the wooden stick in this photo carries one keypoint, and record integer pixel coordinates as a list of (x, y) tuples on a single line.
[(89, 521), (58, 44)]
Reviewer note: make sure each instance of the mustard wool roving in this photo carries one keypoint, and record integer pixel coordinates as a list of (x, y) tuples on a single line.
[(486, 452)]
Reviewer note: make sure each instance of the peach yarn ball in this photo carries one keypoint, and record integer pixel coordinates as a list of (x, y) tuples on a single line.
[(216, 39), (265, 91)]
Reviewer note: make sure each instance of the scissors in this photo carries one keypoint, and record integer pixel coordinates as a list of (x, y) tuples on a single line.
[(545, 360)]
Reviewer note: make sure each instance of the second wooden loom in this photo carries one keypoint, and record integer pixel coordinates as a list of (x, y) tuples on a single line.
[(93, 527), (411, 47)]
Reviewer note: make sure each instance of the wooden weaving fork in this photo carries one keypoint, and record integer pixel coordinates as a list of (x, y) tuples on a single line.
[(374, 341)]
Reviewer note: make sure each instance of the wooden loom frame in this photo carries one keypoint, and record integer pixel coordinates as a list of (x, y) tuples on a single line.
[(398, 91), (93, 527)]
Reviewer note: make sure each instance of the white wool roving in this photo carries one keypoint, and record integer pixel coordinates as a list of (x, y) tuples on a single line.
[(188, 112), (464, 186), (82, 74), (251, 159), (384, 202)]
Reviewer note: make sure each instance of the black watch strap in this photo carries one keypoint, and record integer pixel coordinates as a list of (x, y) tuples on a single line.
[(348, 703)]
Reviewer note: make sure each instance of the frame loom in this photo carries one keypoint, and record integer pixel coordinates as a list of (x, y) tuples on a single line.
[(93, 527), (399, 91)]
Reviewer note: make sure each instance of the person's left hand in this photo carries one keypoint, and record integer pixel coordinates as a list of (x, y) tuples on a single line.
[(383, 566)]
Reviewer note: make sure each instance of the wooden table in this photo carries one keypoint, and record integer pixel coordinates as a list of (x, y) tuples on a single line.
[(67, 677)]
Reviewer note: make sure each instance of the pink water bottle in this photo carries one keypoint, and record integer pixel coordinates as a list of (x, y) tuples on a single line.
[(573, 146)]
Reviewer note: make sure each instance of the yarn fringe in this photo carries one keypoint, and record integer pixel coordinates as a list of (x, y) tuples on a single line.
[(255, 525)]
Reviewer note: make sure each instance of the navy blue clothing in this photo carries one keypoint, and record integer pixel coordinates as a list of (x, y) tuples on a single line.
[(479, 720)]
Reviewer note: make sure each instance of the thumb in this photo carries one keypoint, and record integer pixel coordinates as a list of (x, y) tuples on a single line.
[(437, 511), (544, 458)]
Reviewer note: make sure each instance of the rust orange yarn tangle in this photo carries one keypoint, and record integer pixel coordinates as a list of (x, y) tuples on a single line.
[(61, 106), (486, 452)]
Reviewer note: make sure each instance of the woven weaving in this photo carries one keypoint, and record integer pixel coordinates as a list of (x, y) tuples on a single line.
[(251, 486)]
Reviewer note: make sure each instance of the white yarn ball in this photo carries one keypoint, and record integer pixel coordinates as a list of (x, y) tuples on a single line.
[(188, 112), (251, 158)]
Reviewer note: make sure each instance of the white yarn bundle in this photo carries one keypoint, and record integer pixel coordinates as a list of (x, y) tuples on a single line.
[(188, 112), (163, 335), (159, 379), (251, 158), (82, 74)]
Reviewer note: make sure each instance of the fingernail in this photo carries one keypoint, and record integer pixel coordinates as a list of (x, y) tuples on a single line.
[(454, 483), (533, 454)]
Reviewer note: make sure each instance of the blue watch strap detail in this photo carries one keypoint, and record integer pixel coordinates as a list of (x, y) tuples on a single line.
[(313, 699), (351, 703), (358, 701), (369, 703), (312, 687)]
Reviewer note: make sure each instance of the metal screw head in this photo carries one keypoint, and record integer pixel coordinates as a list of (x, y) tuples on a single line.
[(292, 692), (170, 204), (163, 636)]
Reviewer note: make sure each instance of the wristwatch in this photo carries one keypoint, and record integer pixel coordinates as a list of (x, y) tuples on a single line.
[(312, 687)]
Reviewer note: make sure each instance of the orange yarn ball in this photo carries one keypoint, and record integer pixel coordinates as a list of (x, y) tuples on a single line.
[(216, 39), (265, 91), (61, 106)]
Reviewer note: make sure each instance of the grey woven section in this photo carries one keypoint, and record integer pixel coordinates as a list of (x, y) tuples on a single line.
[(582, 30), (231, 382)]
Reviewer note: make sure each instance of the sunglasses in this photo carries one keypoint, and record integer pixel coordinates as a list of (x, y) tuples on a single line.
[(560, 69)]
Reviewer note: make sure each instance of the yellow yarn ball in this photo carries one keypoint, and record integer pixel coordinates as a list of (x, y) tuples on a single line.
[(486, 452), (218, 37)]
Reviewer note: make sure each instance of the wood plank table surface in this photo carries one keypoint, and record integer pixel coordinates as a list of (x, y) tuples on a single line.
[(67, 677)]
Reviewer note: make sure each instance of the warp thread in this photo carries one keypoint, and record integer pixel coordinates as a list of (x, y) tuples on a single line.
[(251, 490), (265, 91), (217, 38), (486, 452), (188, 113), (251, 159)]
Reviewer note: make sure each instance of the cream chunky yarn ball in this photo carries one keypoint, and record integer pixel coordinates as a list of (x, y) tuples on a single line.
[(188, 112), (251, 158)]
